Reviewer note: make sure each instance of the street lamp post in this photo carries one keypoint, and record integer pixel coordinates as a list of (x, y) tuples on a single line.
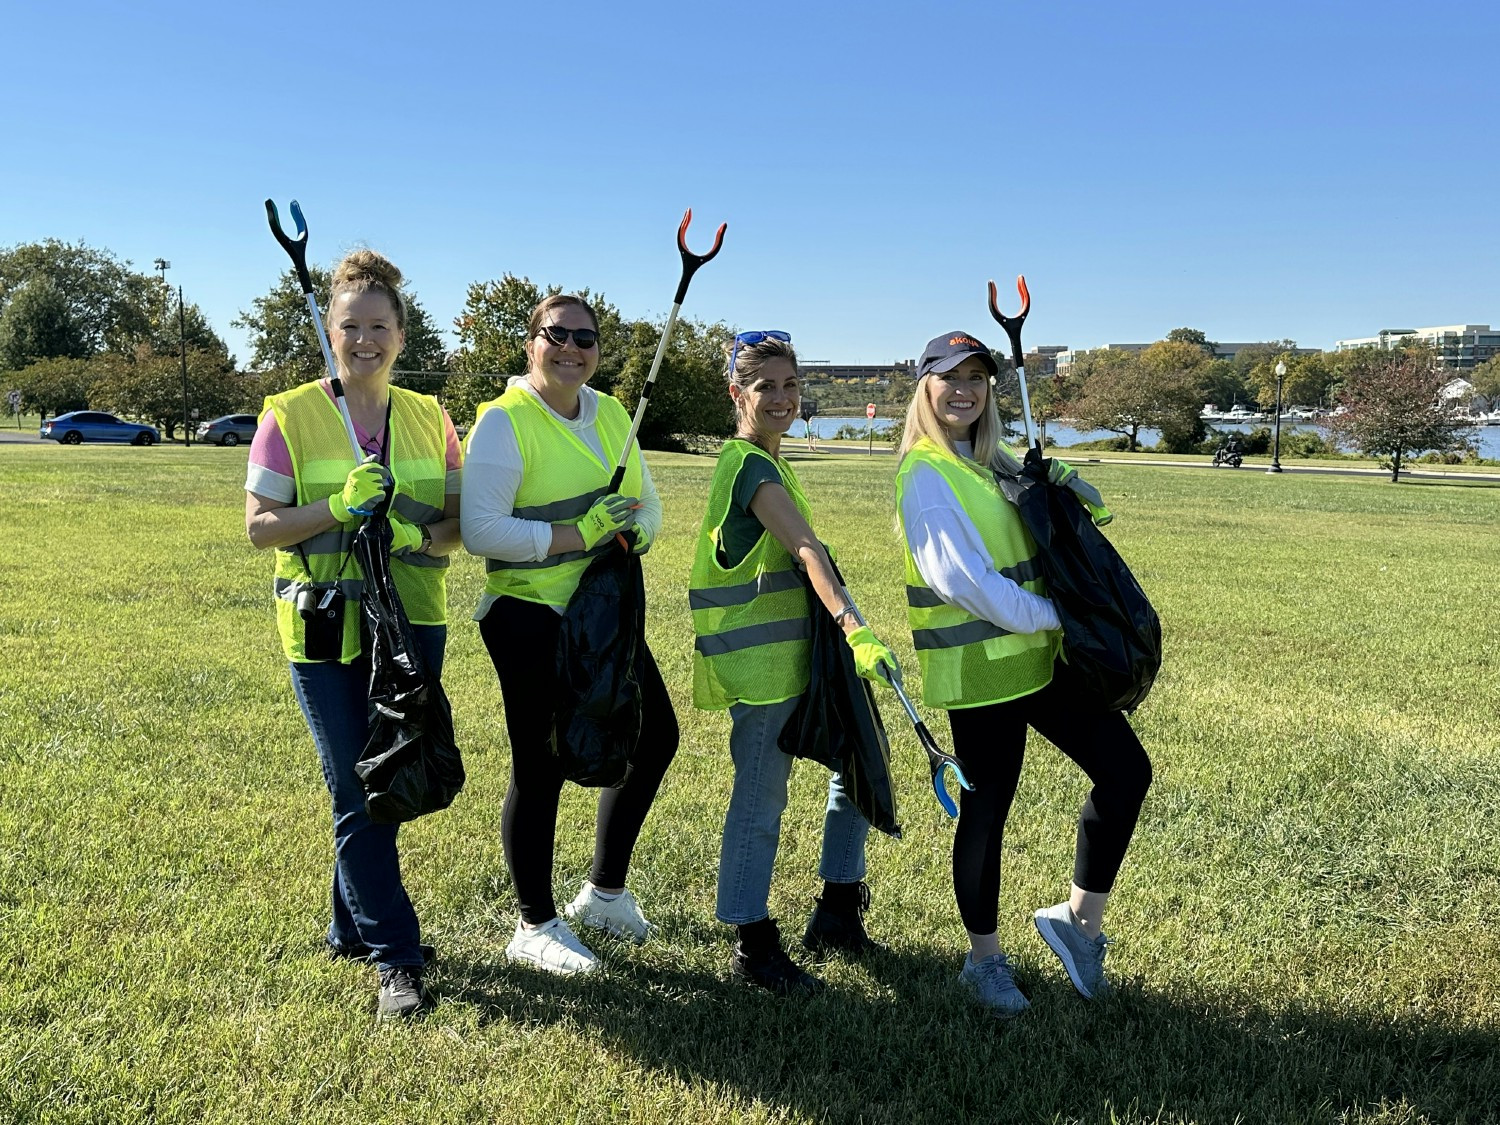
[(187, 425), (1276, 440), (161, 265)]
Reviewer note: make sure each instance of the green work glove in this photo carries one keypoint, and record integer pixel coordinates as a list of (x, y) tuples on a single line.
[(1059, 471), (610, 514), (870, 653), (365, 487), (640, 540), (405, 537)]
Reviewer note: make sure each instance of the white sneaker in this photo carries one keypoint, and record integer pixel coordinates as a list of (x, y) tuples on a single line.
[(552, 947), (619, 916)]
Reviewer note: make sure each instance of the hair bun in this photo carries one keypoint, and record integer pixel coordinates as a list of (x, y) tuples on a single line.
[(368, 267)]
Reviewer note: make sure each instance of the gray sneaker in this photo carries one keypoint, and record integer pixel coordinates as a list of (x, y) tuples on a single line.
[(401, 993), (992, 985), (1080, 954)]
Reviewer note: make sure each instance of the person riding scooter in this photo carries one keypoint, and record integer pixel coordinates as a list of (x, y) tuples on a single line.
[(1229, 453)]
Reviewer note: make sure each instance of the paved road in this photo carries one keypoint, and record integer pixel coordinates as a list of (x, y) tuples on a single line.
[(12, 436), (827, 445)]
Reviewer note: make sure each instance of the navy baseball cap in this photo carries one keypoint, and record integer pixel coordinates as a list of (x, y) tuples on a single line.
[(947, 351)]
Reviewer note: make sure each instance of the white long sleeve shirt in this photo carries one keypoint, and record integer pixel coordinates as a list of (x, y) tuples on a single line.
[(954, 560), (492, 475)]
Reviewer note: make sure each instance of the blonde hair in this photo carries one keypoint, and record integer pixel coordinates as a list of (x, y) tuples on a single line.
[(922, 422), (750, 359), (364, 271)]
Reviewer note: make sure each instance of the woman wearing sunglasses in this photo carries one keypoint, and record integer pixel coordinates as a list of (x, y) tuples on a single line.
[(540, 458), (751, 614), (988, 641)]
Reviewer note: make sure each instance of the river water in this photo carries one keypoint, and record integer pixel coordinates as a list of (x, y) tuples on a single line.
[(1488, 437)]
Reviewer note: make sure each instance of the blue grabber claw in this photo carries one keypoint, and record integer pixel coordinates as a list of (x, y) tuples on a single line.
[(939, 763), (296, 248)]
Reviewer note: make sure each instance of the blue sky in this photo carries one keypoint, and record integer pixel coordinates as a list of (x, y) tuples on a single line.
[(1306, 170)]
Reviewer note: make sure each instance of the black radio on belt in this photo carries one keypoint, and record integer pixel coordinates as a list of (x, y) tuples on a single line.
[(322, 611)]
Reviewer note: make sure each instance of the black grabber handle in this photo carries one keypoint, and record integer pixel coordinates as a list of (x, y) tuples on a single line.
[(690, 264), (1012, 324), (296, 248), (691, 261)]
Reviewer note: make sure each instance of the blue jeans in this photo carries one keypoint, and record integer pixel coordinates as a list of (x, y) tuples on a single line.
[(370, 906), (752, 827)]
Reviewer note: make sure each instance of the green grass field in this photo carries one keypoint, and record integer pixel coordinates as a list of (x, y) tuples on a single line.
[(1305, 922)]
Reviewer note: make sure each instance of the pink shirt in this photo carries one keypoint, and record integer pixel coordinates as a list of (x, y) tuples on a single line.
[(270, 470)]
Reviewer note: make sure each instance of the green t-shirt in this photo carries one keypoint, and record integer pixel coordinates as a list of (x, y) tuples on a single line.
[(741, 530)]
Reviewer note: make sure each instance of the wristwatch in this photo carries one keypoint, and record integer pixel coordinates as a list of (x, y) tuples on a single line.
[(426, 539)]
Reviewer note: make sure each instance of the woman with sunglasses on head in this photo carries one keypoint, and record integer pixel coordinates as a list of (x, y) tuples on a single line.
[(988, 641), (751, 612), (305, 496), (540, 458)]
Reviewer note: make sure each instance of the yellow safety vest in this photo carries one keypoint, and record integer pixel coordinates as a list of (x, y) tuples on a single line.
[(752, 620), (315, 437), (968, 661), (561, 479)]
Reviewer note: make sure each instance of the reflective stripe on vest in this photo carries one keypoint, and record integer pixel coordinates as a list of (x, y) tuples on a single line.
[(561, 479), (967, 661), (752, 620), (313, 429)]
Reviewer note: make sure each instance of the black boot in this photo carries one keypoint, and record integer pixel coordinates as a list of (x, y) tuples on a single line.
[(760, 960), (837, 922)]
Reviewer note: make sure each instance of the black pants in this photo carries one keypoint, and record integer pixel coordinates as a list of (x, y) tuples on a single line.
[(521, 637), (991, 742)]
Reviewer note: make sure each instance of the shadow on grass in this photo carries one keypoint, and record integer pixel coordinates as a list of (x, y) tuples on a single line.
[(894, 1040)]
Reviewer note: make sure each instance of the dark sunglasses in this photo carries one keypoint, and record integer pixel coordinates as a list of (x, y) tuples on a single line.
[(585, 338), (750, 339)]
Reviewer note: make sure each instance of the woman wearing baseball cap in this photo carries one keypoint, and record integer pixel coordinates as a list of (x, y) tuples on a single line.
[(989, 642), (751, 614)]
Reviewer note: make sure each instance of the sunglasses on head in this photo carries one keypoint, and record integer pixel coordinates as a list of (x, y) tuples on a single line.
[(750, 339), (556, 334)]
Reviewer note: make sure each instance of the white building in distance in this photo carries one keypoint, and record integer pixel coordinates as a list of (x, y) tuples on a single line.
[(1458, 345)]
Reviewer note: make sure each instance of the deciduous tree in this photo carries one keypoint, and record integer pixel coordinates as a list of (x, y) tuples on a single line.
[(690, 403), (107, 301), (54, 386), (1158, 388), (1307, 382), (37, 324), (1394, 406)]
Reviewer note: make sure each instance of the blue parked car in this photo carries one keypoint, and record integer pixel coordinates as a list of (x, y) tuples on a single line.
[(95, 425)]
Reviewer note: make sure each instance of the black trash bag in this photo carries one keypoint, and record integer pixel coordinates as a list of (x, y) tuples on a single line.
[(1111, 634), (837, 723), (600, 667), (410, 765)]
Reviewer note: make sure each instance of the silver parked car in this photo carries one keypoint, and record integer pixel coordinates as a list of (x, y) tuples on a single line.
[(228, 430)]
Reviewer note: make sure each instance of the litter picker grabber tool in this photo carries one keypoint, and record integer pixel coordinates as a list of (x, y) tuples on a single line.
[(937, 759), (296, 249), (690, 264), (1012, 326)]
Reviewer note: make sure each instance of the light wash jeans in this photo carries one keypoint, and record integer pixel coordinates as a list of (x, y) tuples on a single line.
[(752, 827), (370, 907)]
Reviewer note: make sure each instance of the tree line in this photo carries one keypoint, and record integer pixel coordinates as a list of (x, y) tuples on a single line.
[(81, 328), (1389, 404)]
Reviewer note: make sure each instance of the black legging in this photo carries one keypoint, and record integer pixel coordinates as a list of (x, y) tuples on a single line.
[(991, 742), (521, 637)]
